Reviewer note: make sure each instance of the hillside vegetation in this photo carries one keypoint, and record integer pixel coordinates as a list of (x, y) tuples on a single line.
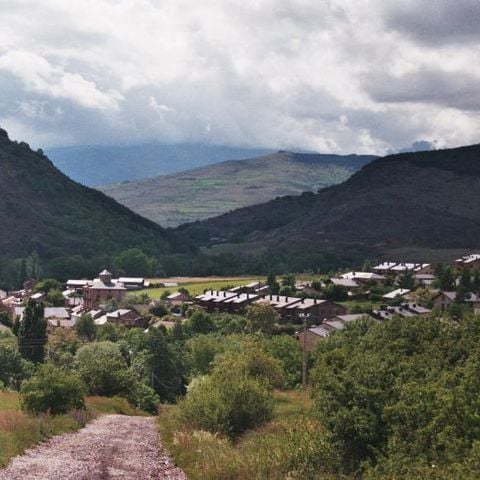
[(422, 200), (45, 212), (215, 189)]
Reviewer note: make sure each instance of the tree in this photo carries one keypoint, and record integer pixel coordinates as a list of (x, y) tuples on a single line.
[(261, 317), (13, 368), (46, 285), (52, 390), (32, 332), (134, 262), (336, 293), (104, 370), (272, 283), (286, 349), (289, 281), (22, 274), (465, 282), (200, 322), (56, 298), (445, 278), (85, 327), (407, 280), (286, 290)]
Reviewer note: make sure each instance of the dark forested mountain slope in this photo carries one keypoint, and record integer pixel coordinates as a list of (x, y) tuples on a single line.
[(209, 191), (44, 211), (424, 199)]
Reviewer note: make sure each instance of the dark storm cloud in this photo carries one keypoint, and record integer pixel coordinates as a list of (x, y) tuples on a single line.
[(449, 89), (436, 21)]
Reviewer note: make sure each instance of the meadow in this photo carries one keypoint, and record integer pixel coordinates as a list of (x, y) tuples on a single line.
[(196, 286), (292, 445)]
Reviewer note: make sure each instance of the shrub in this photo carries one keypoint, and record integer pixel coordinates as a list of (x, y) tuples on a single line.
[(231, 406), (52, 390)]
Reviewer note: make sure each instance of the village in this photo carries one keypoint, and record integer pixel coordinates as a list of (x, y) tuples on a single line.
[(311, 310)]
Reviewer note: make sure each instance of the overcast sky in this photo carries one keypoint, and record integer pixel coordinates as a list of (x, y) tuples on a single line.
[(363, 76)]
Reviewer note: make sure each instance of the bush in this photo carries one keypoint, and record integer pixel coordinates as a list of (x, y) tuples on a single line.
[(230, 406), (52, 390)]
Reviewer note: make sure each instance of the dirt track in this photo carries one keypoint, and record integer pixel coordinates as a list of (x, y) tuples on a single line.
[(111, 447)]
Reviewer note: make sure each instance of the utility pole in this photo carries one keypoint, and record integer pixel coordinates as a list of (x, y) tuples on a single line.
[(304, 316)]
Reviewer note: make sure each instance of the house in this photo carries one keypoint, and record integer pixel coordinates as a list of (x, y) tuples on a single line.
[(177, 299), (399, 292), (55, 317), (38, 297), (425, 279), (280, 303), (126, 318), (444, 299), (384, 267), (132, 283), (364, 277), (211, 299), (404, 310), (239, 303), (102, 290), (312, 336), (467, 261), (315, 310), (348, 283)]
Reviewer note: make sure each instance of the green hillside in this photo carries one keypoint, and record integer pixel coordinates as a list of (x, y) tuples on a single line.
[(421, 202), (215, 189), (44, 211)]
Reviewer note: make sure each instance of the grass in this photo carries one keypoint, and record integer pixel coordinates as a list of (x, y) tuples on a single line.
[(19, 431), (292, 445), (196, 288)]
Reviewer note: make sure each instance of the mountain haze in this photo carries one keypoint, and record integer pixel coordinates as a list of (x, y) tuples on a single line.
[(417, 200), (44, 211), (95, 165), (215, 189)]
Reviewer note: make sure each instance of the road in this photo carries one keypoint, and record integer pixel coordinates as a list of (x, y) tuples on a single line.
[(110, 447)]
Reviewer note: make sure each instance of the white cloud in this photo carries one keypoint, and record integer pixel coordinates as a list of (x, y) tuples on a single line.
[(327, 75)]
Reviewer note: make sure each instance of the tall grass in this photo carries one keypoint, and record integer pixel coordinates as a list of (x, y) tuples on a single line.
[(293, 445), (19, 431)]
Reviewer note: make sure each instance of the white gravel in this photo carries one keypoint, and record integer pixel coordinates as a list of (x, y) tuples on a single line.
[(111, 447)]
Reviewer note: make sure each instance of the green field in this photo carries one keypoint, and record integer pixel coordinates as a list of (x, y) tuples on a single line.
[(196, 288)]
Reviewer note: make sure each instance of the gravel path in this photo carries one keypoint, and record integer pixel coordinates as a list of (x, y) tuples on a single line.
[(111, 447)]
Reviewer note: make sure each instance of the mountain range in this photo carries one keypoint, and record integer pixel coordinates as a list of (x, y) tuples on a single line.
[(95, 165), (211, 190), (422, 200)]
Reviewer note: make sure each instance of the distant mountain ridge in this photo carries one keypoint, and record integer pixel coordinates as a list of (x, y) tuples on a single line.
[(44, 211), (95, 165), (215, 189), (428, 199)]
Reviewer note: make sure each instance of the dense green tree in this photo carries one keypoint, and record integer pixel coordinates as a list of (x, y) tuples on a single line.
[(406, 280), (85, 327), (52, 390), (336, 293), (13, 368), (46, 285), (32, 332), (200, 323), (134, 262), (104, 370), (55, 298), (261, 317), (401, 393), (286, 349), (272, 283)]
